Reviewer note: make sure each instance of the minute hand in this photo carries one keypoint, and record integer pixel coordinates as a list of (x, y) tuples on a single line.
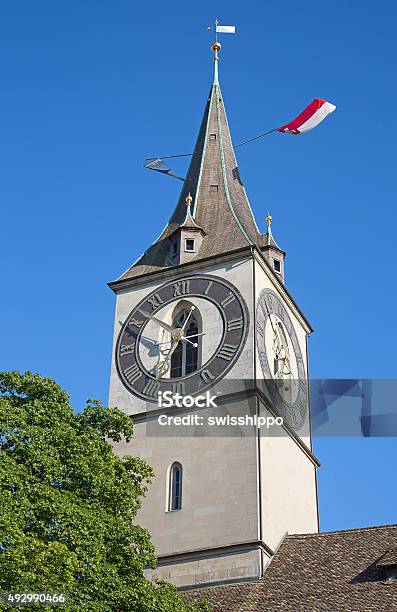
[(162, 324), (271, 323)]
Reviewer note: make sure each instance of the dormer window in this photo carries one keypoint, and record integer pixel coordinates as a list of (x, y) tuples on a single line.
[(277, 265), (388, 563), (189, 245), (212, 136), (214, 188)]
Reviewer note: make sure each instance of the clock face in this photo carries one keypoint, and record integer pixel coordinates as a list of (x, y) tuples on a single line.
[(281, 359), (183, 337)]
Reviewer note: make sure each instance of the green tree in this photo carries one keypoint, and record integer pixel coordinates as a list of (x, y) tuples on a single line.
[(68, 504)]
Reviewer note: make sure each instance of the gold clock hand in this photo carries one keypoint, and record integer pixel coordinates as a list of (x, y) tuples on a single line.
[(172, 349), (164, 365), (165, 342), (287, 363), (162, 368), (162, 324)]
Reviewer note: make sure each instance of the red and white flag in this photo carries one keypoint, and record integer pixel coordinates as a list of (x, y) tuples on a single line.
[(313, 114)]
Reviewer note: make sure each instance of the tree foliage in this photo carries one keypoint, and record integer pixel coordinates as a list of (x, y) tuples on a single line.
[(68, 504)]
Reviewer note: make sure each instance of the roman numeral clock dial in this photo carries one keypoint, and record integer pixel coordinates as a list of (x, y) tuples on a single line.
[(281, 359), (183, 337)]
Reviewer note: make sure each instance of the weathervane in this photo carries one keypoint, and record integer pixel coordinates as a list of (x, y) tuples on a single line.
[(312, 116), (221, 29)]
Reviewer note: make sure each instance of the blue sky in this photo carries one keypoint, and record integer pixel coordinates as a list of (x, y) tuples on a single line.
[(89, 89)]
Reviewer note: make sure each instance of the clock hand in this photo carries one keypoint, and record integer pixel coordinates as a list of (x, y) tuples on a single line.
[(269, 313), (162, 324), (187, 318), (275, 332), (287, 364), (276, 348), (164, 365), (195, 344), (165, 342), (193, 336), (162, 368), (279, 339), (172, 349)]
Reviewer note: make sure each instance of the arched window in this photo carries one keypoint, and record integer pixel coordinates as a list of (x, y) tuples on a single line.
[(175, 487), (184, 359)]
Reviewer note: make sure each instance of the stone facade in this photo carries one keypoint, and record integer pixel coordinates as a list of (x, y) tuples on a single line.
[(236, 490)]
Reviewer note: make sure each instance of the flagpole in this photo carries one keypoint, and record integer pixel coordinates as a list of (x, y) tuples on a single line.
[(168, 156), (240, 144)]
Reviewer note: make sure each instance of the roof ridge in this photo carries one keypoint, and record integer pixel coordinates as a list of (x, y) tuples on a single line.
[(208, 108), (295, 536), (222, 159)]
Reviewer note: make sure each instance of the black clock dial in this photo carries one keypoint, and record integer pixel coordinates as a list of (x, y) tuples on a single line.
[(186, 353), (281, 359)]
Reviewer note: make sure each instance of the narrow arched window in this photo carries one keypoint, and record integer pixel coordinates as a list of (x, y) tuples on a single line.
[(185, 358), (175, 487)]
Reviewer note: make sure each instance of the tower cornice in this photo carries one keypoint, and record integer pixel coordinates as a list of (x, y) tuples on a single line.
[(125, 284)]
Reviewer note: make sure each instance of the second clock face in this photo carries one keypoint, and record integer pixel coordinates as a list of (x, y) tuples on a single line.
[(183, 337), (281, 358)]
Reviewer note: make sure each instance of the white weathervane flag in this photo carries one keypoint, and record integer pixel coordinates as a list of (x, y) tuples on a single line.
[(223, 29)]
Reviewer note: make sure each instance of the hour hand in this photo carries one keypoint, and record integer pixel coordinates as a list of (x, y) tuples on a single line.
[(164, 365), (162, 368), (162, 324)]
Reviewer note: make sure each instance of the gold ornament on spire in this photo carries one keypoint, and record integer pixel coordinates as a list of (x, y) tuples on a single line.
[(269, 219), (189, 200)]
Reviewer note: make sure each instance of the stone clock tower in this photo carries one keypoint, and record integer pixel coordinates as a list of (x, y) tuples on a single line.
[(205, 308)]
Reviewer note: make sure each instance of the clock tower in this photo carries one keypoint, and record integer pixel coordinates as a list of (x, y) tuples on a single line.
[(205, 309)]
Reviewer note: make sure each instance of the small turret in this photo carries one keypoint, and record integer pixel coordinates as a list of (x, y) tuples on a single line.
[(272, 252), (186, 239)]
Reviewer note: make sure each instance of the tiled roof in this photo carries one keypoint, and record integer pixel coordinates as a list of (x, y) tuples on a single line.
[(325, 572), (389, 559), (225, 215)]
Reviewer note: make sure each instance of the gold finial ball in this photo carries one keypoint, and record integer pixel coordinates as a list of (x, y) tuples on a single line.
[(189, 200), (216, 47), (269, 219)]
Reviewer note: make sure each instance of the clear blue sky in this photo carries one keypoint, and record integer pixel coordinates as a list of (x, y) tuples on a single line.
[(88, 89)]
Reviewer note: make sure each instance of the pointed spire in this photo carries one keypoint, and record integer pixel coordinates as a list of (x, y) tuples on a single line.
[(219, 204), (189, 201), (269, 238), (269, 220), (189, 221)]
